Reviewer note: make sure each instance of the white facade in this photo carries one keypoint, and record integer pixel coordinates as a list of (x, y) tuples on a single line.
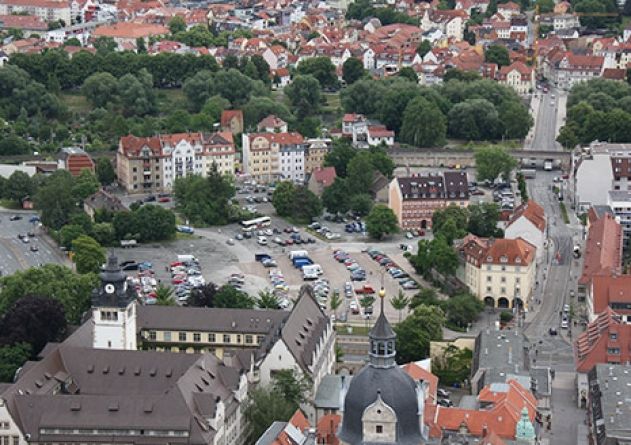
[(278, 358), (292, 163), (523, 228), (49, 10), (114, 327), (182, 159), (593, 180), (10, 434), (620, 203)]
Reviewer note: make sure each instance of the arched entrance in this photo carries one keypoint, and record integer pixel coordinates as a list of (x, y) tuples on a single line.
[(489, 301), (503, 303), (424, 224)]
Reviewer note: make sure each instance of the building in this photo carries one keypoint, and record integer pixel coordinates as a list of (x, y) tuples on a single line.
[(602, 256), (296, 431), (6, 170), (272, 124), (28, 24), (620, 203), (414, 199), (518, 76), (315, 153), (501, 272), (382, 403), (607, 409), (607, 340), (126, 34), (152, 164), (78, 395), (274, 156), (573, 68), (610, 291), (46, 10), (320, 179), (102, 201), (74, 159), (528, 222), (232, 121)]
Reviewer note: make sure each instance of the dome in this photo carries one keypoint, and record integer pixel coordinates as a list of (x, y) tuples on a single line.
[(397, 390), (525, 429)]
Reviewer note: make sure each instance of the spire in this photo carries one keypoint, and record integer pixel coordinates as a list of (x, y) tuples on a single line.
[(382, 339)]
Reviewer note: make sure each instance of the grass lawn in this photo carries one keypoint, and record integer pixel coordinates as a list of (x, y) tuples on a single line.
[(76, 102), (8, 204)]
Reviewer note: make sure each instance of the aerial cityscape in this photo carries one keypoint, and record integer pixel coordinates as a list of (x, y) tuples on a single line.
[(306, 222)]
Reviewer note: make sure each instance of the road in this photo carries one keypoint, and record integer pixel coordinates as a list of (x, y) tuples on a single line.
[(16, 255), (550, 116)]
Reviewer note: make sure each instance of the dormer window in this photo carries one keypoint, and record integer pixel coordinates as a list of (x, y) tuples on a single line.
[(518, 260), (489, 259), (503, 259)]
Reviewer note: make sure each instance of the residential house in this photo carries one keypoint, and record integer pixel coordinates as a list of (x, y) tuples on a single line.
[(125, 34), (529, 223), (272, 124), (573, 68), (501, 272), (414, 199), (320, 179), (565, 21), (379, 135), (232, 121), (354, 126), (380, 187), (46, 10), (276, 57), (139, 164), (602, 256), (280, 78), (316, 151), (611, 291), (74, 159), (102, 201), (450, 22), (296, 431), (518, 76), (606, 341), (28, 24), (607, 414), (508, 9), (274, 156)]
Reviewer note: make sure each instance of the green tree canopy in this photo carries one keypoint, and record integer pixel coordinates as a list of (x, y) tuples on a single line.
[(491, 162), (497, 54), (230, 297), (381, 221), (415, 333), (105, 171), (12, 357), (352, 70), (55, 199), (423, 124), (89, 255), (304, 95), (321, 68)]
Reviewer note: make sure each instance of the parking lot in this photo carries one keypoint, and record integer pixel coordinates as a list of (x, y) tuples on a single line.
[(15, 254)]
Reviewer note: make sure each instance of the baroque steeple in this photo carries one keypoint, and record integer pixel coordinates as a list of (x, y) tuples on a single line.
[(382, 340), (112, 290)]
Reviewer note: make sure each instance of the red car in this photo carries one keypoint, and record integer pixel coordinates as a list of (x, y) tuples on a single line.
[(177, 281), (164, 199), (289, 242), (365, 290)]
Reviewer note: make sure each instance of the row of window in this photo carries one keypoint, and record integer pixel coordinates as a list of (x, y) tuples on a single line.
[(489, 279), (114, 432), (207, 337), (9, 440)]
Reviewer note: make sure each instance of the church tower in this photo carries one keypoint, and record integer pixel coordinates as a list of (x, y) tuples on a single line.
[(114, 310)]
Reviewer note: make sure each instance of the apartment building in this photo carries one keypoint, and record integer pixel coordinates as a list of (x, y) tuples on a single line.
[(316, 151), (269, 157), (620, 202), (501, 272), (518, 76), (528, 222), (152, 164), (414, 199), (47, 10)]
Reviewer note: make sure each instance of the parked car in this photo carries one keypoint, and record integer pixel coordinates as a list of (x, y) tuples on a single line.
[(365, 289), (164, 199), (15, 218), (34, 248)]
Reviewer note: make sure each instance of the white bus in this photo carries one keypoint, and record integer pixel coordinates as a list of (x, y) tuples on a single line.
[(253, 224)]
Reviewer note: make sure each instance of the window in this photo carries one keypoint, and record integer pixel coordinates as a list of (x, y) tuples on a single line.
[(488, 288), (503, 290), (248, 340), (379, 429), (614, 351), (197, 337), (489, 279), (211, 338), (517, 280), (167, 336), (182, 336), (613, 336), (503, 279), (226, 338), (260, 339), (152, 335)]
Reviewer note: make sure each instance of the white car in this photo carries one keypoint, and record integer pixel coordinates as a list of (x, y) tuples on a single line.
[(262, 241), (565, 324)]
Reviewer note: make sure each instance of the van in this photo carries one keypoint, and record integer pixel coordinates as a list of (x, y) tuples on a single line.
[(298, 254), (187, 259), (312, 269)]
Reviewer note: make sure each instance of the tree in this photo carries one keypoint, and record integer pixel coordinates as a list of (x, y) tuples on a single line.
[(199, 88), (230, 297), (258, 108), (453, 367), (462, 309), (205, 200), (19, 186), (306, 205), (85, 185), (360, 173), (136, 93), (236, 87), (12, 357), (415, 333), (105, 171), (483, 219), (35, 321), (335, 197), (459, 215), (105, 45), (89, 255), (497, 54), (366, 301), (164, 296), (426, 296), (72, 290), (352, 70), (177, 25), (457, 74), (381, 221), (423, 124), (267, 300), (103, 233), (516, 120), (399, 303), (304, 95), (408, 73), (474, 119), (423, 48), (443, 256), (339, 156), (55, 199), (491, 162), (262, 68), (335, 302), (321, 68), (204, 296), (283, 198), (361, 204), (154, 223), (69, 233), (100, 89), (381, 161)]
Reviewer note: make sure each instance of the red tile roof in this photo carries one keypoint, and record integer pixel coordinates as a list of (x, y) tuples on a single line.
[(498, 251), (533, 212), (28, 22), (603, 248), (324, 175), (279, 138), (419, 373), (591, 347), (608, 289), (130, 30), (52, 4), (271, 121), (327, 429), (228, 115)]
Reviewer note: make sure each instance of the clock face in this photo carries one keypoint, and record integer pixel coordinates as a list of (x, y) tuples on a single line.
[(109, 288)]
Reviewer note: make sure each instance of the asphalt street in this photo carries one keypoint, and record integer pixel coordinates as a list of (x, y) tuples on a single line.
[(16, 255), (550, 114)]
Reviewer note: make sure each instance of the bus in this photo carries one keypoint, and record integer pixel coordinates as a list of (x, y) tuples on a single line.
[(253, 224)]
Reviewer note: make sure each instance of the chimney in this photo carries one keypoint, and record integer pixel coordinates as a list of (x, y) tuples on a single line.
[(485, 430)]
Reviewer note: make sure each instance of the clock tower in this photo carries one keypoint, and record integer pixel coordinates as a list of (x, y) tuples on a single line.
[(114, 309)]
